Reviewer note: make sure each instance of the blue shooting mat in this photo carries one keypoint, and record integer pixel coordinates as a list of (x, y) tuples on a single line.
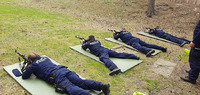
[(123, 64), (34, 85), (128, 46)]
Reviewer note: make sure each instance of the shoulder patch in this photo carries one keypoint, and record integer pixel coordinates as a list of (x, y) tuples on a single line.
[(125, 32), (95, 42), (41, 60)]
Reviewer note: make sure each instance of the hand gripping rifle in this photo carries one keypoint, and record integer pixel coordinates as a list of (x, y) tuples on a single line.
[(114, 31), (83, 39), (151, 29), (25, 63)]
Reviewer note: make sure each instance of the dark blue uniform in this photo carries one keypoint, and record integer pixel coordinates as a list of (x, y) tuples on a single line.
[(104, 53), (161, 34), (43, 68), (194, 57), (135, 42)]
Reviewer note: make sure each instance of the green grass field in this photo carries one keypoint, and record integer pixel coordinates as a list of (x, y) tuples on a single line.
[(49, 27)]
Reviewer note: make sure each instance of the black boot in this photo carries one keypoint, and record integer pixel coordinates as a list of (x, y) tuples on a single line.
[(164, 49), (188, 42), (137, 57), (182, 44), (105, 87), (149, 53), (115, 72), (187, 71), (90, 93), (187, 79)]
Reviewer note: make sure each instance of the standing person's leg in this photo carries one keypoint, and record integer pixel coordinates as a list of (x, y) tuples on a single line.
[(194, 67), (194, 71), (194, 64), (121, 55)]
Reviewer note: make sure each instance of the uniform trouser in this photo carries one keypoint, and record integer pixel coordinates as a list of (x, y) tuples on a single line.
[(194, 60), (75, 85), (184, 39), (142, 46), (104, 57), (174, 39)]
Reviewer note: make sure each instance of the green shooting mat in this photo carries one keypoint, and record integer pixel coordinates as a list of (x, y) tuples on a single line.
[(128, 46), (155, 37), (123, 64), (34, 85)]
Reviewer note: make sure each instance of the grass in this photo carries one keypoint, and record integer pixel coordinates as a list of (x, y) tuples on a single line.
[(183, 57), (29, 29), (151, 84)]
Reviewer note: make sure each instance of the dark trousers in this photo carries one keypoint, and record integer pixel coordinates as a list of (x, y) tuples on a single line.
[(175, 39), (104, 57), (75, 85), (194, 60), (143, 46)]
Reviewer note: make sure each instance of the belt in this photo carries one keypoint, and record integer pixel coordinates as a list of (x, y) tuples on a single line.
[(197, 48), (163, 36), (52, 78)]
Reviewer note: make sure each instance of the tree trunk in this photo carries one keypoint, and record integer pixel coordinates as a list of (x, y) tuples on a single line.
[(151, 8)]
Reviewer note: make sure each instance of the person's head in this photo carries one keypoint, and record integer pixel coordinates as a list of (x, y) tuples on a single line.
[(91, 38), (33, 56), (123, 29)]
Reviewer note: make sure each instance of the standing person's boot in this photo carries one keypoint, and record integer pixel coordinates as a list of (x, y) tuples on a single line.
[(187, 71), (187, 79), (105, 87)]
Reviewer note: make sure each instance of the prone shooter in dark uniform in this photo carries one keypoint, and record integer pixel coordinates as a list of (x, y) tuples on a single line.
[(194, 57), (64, 80), (160, 33), (136, 43), (104, 53)]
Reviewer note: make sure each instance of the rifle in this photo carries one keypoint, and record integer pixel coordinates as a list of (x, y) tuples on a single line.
[(25, 63), (152, 29), (81, 38), (113, 31)]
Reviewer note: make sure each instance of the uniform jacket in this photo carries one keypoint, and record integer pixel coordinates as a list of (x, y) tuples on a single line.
[(94, 47), (124, 36), (157, 32), (42, 68)]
